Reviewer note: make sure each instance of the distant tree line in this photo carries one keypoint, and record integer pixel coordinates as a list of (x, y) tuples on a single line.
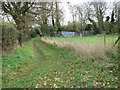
[(92, 16)]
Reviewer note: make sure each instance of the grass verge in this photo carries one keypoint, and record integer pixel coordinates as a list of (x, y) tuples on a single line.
[(41, 65)]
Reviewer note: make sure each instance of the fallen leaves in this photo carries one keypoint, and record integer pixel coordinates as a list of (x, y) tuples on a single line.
[(55, 86), (111, 71), (45, 77), (37, 86), (45, 83), (96, 83), (58, 79)]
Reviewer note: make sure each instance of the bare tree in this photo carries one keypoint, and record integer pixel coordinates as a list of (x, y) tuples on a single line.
[(18, 11), (58, 14), (82, 12), (99, 9), (73, 11), (117, 9)]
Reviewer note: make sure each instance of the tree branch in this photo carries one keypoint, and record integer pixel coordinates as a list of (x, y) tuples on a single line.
[(116, 41), (27, 8)]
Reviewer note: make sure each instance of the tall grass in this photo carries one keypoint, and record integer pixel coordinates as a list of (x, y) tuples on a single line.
[(89, 48)]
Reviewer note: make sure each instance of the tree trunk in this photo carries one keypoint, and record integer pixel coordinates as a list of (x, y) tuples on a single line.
[(104, 39), (101, 24), (57, 16), (19, 26), (22, 27), (53, 23)]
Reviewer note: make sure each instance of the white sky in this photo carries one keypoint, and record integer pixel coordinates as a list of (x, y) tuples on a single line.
[(65, 7), (67, 14)]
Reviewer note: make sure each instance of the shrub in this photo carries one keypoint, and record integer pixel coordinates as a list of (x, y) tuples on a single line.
[(34, 33), (9, 36)]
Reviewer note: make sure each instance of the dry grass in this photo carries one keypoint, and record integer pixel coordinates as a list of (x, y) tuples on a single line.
[(84, 50)]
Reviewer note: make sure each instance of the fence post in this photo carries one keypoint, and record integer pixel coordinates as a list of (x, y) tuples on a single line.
[(104, 39), (68, 37), (81, 37)]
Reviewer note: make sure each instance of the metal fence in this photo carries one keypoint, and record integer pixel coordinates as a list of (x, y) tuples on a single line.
[(74, 34)]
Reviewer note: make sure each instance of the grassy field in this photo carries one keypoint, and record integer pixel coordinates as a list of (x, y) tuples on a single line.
[(41, 65), (92, 40)]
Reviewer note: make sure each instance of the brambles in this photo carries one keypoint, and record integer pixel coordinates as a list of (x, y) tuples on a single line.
[(9, 36)]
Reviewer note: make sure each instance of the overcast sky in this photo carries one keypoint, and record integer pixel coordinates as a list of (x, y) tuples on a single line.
[(67, 14)]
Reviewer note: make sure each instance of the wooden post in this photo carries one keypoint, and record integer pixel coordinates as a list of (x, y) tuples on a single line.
[(104, 39), (81, 37), (56, 38), (68, 37)]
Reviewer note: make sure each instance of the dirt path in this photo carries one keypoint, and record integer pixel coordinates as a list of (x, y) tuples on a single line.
[(39, 53), (48, 66)]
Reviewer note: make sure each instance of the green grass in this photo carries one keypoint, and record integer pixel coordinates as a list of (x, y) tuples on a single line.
[(38, 64), (92, 40)]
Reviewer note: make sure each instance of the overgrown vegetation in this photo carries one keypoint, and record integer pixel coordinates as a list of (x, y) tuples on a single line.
[(9, 36), (38, 65), (88, 48)]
